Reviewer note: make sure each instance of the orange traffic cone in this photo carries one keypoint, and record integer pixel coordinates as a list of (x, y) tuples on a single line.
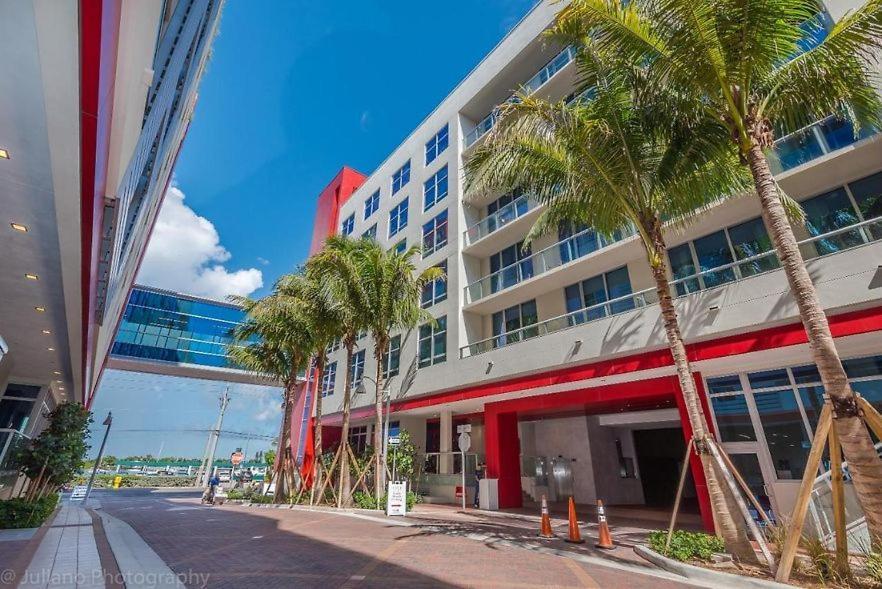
[(545, 528), (604, 540), (574, 536)]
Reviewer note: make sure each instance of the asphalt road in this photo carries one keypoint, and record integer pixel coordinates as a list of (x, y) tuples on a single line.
[(234, 546)]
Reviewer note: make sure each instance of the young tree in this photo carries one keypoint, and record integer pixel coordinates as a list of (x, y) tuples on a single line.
[(275, 340), (603, 161), (756, 69), (392, 288)]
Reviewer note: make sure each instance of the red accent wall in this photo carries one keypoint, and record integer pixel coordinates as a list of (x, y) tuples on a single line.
[(330, 200), (99, 37)]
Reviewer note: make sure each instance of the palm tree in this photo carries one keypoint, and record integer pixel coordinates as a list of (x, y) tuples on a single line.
[(275, 340), (756, 70), (336, 269), (304, 290), (392, 289), (600, 161)]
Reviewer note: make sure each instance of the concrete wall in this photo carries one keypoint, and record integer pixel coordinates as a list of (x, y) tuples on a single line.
[(609, 484)]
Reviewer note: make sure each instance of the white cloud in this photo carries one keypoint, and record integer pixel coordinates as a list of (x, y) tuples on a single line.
[(185, 255)]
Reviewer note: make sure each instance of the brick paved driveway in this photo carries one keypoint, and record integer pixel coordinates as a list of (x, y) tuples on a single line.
[(264, 548)]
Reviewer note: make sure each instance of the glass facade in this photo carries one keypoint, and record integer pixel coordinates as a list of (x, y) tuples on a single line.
[(166, 327)]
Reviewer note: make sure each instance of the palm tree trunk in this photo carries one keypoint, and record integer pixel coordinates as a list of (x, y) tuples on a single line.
[(345, 483), (730, 524), (283, 451), (317, 427), (379, 354), (857, 446)]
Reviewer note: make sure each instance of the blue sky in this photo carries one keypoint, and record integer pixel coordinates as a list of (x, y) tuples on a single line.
[(293, 91)]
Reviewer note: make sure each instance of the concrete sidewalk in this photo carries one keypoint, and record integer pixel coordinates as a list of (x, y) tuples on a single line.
[(84, 548)]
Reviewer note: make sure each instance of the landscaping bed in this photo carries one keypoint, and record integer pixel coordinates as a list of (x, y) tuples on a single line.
[(19, 513)]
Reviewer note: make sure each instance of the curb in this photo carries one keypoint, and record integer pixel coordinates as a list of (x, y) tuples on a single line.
[(703, 575)]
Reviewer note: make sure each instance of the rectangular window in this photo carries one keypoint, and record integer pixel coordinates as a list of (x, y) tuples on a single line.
[(398, 218), (401, 177), (433, 343), (400, 247), (506, 209), (508, 324), (329, 378), (828, 212), (348, 225), (713, 251), (356, 368), (750, 239), (785, 432), (371, 233), (733, 418), (358, 438), (435, 291), (372, 204), (393, 357), (435, 234), (435, 189), (510, 266), (436, 145), (868, 196), (587, 297)]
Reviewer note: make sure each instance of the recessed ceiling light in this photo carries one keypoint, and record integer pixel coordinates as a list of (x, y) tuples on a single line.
[(46, 331), (60, 388), (32, 277), (56, 372), (4, 154), (40, 309), (19, 227), (51, 349)]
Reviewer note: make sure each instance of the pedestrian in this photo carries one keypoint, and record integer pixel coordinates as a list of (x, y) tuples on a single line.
[(213, 484), (479, 474)]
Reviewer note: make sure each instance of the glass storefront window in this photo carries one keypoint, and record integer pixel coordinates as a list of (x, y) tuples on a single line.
[(733, 419), (871, 390), (806, 374), (768, 379), (749, 468), (785, 432), (860, 367), (724, 384), (15, 413)]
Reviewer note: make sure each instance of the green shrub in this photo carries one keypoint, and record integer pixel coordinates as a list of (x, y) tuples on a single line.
[(874, 567), (18, 513), (128, 481), (686, 545), (364, 500)]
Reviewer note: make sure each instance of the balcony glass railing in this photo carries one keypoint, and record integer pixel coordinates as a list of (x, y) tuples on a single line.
[(559, 62), (502, 217), (818, 246), (812, 142), (558, 254)]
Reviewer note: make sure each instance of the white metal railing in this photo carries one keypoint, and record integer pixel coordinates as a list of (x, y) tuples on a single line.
[(559, 62), (813, 141), (838, 240), (499, 219), (557, 254)]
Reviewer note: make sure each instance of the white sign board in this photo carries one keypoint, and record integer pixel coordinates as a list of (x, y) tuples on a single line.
[(394, 440), (396, 499), (464, 428), (270, 489), (465, 442), (78, 493)]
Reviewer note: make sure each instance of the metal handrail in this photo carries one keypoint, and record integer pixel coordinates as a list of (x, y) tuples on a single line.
[(649, 296), (539, 79), (545, 259), (499, 219)]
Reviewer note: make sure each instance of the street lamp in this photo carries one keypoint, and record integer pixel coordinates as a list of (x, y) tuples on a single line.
[(107, 422)]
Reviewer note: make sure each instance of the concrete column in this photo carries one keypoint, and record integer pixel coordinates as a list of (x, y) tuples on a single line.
[(445, 465)]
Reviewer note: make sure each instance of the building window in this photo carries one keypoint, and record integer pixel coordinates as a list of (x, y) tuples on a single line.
[(356, 368), (400, 247), (372, 204), (435, 189), (398, 218), (371, 233), (784, 404), (393, 357), (585, 300), (435, 234), (510, 266), (436, 291), (437, 144), (358, 438), (329, 378), (348, 225), (578, 239), (401, 177), (433, 343), (508, 325)]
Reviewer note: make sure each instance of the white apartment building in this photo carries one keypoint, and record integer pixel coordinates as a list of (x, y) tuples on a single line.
[(557, 357)]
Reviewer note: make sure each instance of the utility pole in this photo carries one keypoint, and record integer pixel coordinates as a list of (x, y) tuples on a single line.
[(224, 401)]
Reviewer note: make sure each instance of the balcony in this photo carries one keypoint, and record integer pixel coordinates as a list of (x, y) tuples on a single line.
[(812, 142), (511, 212), (559, 62), (561, 253), (840, 240)]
